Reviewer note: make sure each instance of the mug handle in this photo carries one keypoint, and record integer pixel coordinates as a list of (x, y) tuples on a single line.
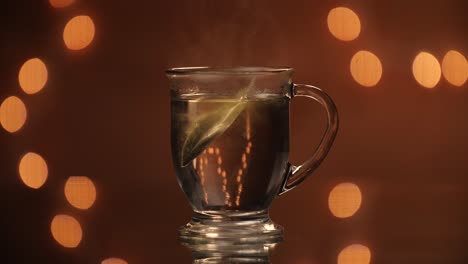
[(297, 174)]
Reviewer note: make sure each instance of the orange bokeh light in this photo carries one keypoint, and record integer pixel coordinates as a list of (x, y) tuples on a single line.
[(80, 192), (33, 170), (366, 68), (61, 3), (355, 254), (344, 23), (66, 230), (114, 261), (426, 70), (79, 32), (344, 200), (32, 76), (12, 114), (455, 68)]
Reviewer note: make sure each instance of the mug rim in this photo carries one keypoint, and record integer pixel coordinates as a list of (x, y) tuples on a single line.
[(237, 70)]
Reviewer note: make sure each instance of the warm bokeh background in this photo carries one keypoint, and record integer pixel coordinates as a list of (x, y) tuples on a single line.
[(99, 182)]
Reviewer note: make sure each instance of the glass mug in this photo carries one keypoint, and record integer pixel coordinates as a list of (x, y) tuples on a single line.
[(230, 148)]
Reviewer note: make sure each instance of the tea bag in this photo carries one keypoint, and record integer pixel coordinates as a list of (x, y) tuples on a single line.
[(208, 127)]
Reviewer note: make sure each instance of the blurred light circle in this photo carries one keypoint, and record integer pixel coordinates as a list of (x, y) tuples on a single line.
[(114, 261), (12, 114), (455, 68), (66, 230), (344, 200), (61, 3), (355, 254), (426, 70), (79, 32), (80, 192), (344, 23), (32, 76), (33, 170), (366, 68)]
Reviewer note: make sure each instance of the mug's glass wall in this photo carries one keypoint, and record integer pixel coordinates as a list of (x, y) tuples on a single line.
[(230, 135)]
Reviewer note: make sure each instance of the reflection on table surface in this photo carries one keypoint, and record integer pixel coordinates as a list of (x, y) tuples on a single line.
[(225, 252)]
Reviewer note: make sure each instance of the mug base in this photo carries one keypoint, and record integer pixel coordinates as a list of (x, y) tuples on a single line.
[(244, 233)]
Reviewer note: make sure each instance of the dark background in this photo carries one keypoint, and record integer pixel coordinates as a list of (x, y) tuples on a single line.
[(104, 113)]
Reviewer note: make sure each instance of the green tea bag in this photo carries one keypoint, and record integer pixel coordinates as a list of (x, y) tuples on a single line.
[(208, 127)]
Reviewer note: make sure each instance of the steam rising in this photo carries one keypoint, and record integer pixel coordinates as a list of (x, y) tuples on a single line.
[(238, 33)]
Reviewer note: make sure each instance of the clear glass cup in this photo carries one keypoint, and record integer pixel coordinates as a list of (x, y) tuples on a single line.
[(230, 148)]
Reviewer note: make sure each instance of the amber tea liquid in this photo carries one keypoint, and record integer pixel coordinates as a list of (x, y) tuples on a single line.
[(230, 154)]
